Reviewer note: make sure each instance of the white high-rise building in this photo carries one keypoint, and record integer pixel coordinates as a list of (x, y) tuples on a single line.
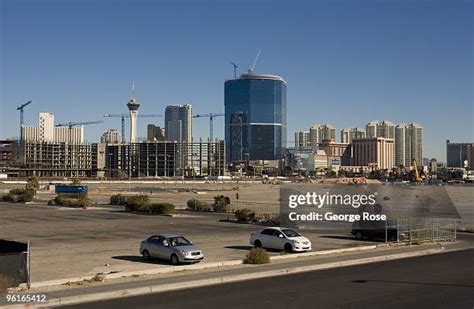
[(318, 133), (111, 136), (74, 135), (302, 139), (408, 144), (46, 127), (376, 128), (349, 134)]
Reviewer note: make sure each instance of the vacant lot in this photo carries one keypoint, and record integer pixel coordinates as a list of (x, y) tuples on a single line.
[(74, 242)]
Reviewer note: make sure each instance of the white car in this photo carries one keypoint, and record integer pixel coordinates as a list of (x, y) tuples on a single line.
[(280, 238)]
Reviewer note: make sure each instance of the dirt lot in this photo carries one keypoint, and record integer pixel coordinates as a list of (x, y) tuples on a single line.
[(73, 242)]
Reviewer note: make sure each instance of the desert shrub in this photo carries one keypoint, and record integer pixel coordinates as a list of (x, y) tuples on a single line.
[(245, 215), (66, 200), (134, 202), (118, 199), (197, 205), (5, 283), (20, 195), (257, 256), (221, 203), (160, 208)]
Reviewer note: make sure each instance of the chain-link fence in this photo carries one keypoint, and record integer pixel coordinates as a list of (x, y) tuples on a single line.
[(414, 230), (14, 262)]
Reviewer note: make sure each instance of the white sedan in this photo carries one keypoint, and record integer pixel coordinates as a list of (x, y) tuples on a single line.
[(281, 239)]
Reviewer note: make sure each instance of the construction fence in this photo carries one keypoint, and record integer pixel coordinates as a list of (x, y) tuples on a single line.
[(415, 230)]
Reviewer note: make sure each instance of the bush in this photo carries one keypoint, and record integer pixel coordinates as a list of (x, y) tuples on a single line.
[(5, 283), (245, 215), (197, 205), (118, 199), (65, 199), (221, 203), (257, 256), (160, 208), (20, 195), (134, 203), (76, 182)]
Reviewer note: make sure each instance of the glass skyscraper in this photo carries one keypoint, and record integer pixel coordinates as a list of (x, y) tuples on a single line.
[(255, 117)]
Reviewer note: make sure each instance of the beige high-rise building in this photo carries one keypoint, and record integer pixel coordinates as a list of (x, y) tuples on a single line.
[(111, 136), (349, 134), (46, 127), (74, 135), (408, 144), (302, 139), (318, 133), (46, 132), (376, 128), (375, 152)]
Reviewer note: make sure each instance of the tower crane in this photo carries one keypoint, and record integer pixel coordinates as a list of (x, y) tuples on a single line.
[(235, 69), (70, 125), (251, 68), (211, 117), (126, 115), (21, 109)]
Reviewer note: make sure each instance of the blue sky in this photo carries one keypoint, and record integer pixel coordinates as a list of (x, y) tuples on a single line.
[(346, 62)]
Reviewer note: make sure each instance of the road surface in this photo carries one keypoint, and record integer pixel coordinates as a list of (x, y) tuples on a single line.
[(436, 281)]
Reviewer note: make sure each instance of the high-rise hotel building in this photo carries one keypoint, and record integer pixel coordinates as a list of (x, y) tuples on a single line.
[(255, 117)]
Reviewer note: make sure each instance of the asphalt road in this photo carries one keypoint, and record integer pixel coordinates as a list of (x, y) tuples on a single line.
[(435, 281)]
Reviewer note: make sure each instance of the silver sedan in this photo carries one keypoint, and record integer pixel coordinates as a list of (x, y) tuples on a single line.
[(174, 248)]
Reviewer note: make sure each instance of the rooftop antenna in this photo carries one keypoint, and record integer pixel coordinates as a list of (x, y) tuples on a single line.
[(133, 90), (254, 62), (235, 69)]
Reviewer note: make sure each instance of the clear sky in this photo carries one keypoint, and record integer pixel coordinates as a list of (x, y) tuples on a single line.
[(346, 62)]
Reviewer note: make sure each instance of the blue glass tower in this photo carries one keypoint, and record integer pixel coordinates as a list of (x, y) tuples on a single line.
[(255, 117)]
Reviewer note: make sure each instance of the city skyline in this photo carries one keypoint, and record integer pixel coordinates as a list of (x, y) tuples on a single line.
[(346, 71)]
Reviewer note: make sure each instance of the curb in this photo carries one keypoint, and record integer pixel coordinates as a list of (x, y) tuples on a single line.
[(223, 279), (171, 269)]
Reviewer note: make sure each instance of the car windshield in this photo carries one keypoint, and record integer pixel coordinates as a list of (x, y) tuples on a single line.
[(290, 233), (179, 241)]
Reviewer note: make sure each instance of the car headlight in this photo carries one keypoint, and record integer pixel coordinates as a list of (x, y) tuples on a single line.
[(296, 242), (184, 252)]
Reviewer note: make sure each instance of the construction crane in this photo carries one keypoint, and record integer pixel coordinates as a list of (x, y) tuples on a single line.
[(21, 109), (70, 125), (235, 69), (251, 68), (417, 174), (124, 115), (211, 117)]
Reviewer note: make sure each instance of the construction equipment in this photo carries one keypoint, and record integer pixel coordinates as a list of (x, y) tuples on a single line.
[(70, 125), (251, 68), (126, 115), (211, 117), (21, 109), (235, 69), (417, 174)]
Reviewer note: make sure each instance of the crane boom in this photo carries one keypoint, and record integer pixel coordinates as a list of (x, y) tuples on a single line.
[(255, 61), (126, 115), (211, 117)]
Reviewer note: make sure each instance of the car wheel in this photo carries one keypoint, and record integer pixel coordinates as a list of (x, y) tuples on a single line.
[(358, 235), (174, 259), (146, 255), (257, 244), (288, 248)]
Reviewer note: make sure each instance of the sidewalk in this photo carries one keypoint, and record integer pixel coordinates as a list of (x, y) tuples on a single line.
[(93, 291)]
